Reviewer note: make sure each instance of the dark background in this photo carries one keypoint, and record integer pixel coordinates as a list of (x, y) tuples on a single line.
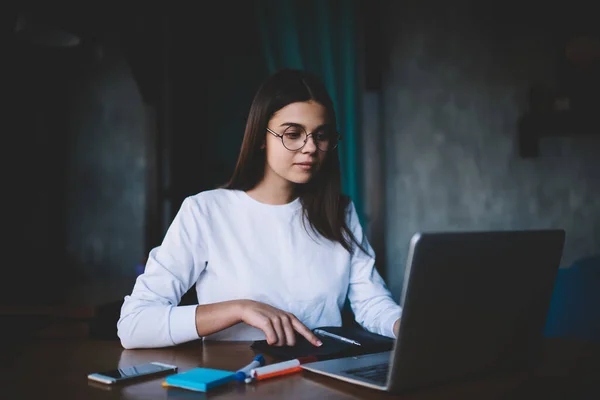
[(104, 140)]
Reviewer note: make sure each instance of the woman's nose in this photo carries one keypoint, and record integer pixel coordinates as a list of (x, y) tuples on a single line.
[(311, 144)]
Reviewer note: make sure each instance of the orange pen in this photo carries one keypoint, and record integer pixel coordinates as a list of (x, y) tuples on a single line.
[(278, 373), (279, 369)]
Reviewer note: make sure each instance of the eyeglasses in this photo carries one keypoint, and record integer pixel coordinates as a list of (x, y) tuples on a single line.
[(295, 137)]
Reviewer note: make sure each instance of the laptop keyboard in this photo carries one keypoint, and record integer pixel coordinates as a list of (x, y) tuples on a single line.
[(376, 373)]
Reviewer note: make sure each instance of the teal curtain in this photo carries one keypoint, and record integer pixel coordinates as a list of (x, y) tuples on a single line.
[(320, 37)]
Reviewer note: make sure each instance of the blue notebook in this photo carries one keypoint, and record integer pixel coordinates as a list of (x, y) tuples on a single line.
[(200, 379)]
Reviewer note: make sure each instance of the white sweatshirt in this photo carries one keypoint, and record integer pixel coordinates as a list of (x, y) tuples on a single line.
[(233, 247)]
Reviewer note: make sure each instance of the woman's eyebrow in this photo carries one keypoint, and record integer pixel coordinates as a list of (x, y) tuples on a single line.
[(302, 126)]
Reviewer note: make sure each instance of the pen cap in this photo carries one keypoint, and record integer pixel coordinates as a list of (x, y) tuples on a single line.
[(240, 376), (244, 373)]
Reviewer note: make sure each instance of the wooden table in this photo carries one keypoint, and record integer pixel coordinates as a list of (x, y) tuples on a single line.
[(57, 369)]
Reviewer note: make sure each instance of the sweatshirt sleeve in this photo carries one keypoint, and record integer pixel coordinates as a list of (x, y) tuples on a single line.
[(150, 316), (370, 299)]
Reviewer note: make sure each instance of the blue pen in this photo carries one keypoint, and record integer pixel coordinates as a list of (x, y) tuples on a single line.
[(242, 374)]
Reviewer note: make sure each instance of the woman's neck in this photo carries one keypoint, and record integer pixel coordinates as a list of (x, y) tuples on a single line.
[(272, 193)]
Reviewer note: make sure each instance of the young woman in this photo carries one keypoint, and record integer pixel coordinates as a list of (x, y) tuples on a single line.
[(273, 254)]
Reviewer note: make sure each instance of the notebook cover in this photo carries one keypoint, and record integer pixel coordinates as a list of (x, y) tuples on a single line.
[(200, 379), (331, 348)]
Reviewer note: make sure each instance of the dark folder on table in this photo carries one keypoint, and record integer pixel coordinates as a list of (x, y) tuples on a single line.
[(331, 348)]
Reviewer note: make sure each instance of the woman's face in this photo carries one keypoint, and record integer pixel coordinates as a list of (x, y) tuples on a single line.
[(292, 121)]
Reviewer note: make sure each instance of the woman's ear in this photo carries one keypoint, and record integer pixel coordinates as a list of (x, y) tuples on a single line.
[(262, 146)]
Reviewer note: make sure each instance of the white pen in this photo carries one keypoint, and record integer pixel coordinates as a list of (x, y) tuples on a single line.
[(334, 336)]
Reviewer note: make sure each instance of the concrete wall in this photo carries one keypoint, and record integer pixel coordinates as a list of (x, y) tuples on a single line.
[(454, 87), (106, 174)]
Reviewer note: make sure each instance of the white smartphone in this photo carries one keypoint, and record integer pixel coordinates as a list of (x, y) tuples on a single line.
[(129, 373)]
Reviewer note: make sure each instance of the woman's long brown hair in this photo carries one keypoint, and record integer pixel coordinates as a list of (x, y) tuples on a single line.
[(322, 200)]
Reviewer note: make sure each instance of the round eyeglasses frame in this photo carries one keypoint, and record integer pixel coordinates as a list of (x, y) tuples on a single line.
[(338, 139)]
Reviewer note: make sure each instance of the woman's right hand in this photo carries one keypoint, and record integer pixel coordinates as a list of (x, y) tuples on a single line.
[(279, 326)]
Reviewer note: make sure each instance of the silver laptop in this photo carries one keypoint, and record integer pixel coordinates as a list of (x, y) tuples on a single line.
[(474, 303)]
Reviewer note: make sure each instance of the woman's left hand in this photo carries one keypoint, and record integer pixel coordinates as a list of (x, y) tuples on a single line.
[(396, 327)]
